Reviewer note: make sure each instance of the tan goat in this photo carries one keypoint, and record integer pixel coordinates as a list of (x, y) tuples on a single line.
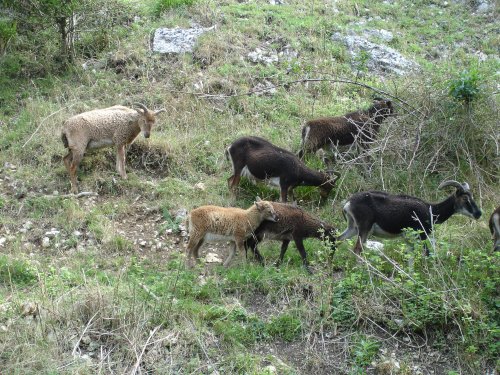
[(213, 224), (114, 126)]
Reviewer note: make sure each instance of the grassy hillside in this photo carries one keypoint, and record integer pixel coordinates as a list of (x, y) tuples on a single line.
[(98, 284)]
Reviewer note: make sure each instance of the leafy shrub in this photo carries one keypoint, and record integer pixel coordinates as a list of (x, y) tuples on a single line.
[(466, 87), (284, 326), (364, 351), (16, 272)]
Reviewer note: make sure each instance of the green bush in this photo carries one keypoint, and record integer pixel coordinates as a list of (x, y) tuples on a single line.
[(466, 87), (17, 272)]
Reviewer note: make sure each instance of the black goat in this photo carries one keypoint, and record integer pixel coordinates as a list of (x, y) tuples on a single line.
[(359, 126), (258, 159), (294, 224), (495, 228), (387, 215)]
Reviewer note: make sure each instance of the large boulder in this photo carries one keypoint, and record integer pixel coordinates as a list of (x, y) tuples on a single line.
[(381, 58), (177, 40)]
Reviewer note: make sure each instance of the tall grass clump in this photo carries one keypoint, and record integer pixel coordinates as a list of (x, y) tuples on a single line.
[(164, 5)]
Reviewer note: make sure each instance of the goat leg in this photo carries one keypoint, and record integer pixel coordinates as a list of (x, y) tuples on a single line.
[(284, 247), (300, 247)]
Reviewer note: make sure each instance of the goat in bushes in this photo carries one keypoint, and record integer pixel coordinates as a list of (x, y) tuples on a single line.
[(360, 126), (387, 215), (258, 159)]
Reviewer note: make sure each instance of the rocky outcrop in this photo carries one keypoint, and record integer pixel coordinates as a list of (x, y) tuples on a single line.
[(381, 58), (177, 40)]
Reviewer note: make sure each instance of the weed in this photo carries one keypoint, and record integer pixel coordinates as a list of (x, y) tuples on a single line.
[(17, 272), (467, 87)]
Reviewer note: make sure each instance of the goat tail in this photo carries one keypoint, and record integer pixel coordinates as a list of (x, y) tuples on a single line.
[(303, 143), (64, 140)]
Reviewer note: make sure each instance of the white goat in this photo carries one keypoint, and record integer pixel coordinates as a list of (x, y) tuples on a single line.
[(118, 126)]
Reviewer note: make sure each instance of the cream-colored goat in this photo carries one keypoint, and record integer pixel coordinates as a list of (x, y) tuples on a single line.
[(214, 224), (114, 126)]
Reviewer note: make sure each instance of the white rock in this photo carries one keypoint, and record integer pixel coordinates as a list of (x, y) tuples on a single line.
[(177, 40), (381, 59), (52, 233), (3, 240), (264, 57), (180, 214), (77, 233), (374, 245), (143, 243), (212, 258), (270, 370), (28, 225), (200, 186), (45, 242)]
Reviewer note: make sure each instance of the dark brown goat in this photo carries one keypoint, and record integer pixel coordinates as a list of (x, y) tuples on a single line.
[(495, 228), (294, 224), (387, 215), (258, 159), (359, 126)]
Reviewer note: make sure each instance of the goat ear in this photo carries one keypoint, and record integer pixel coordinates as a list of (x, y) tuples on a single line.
[(257, 199), (140, 111)]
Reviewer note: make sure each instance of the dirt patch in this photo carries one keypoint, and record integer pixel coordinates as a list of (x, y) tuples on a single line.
[(149, 157), (333, 353)]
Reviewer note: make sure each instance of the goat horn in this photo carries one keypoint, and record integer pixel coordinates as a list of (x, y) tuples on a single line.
[(142, 106), (160, 111), (453, 183)]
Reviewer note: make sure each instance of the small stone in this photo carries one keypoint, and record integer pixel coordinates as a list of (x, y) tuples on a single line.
[(270, 370), (200, 186), (143, 243), (28, 225), (3, 240), (180, 214), (85, 340), (212, 258), (45, 242), (77, 233), (29, 308), (55, 192), (52, 233)]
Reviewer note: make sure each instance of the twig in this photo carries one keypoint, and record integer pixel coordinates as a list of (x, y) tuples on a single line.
[(149, 291), (340, 80), (43, 120), (83, 333), (79, 195), (138, 363)]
